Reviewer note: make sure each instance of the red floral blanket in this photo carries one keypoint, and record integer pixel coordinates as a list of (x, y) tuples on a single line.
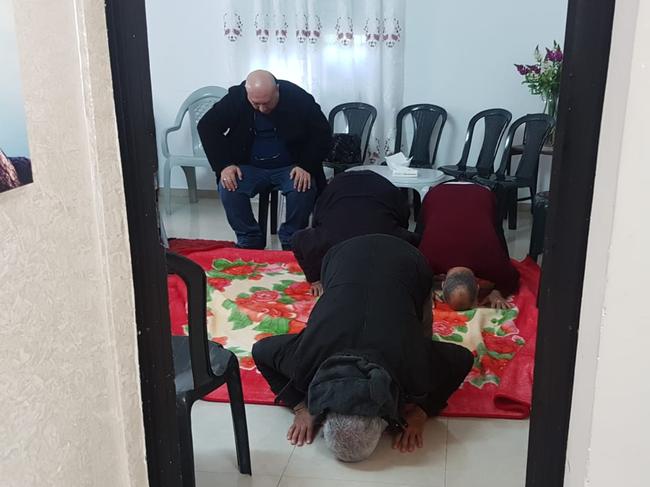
[(254, 294)]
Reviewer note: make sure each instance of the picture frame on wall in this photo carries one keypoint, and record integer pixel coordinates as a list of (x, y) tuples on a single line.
[(15, 162)]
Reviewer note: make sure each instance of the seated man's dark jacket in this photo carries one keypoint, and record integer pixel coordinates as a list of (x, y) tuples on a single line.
[(226, 130), (376, 287), (353, 204)]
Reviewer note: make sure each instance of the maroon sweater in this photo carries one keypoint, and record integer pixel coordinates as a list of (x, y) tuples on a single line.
[(460, 229)]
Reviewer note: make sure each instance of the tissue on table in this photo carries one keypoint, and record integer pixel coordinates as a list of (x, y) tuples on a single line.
[(399, 165)]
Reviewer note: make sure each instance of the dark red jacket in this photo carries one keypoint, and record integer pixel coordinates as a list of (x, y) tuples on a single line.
[(460, 228)]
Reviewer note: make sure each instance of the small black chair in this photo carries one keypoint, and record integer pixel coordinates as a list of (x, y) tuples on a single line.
[(537, 128), (201, 366), (496, 121), (359, 120), (428, 122)]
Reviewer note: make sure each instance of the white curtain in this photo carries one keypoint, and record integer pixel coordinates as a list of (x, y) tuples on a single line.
[(338, 50)]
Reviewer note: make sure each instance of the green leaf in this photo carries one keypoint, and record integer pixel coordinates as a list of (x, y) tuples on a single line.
[(243, 295), (461, 329), (506, 315), (455, 337), (228, 303), (208, 294), (500, 356), (239, 319), (276, 326), (286, 300), (470, 314), (283, 285), (255, 289)]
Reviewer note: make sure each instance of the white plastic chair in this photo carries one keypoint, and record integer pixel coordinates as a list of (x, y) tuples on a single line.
[(195, 105)]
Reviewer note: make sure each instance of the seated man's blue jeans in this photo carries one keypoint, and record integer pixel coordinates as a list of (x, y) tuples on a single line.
[(240, 214)]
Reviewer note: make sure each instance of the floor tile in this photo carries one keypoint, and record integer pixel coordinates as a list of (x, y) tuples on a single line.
[(312, 482), (211, 479), (486, 452), (214, 443), (424, 467)]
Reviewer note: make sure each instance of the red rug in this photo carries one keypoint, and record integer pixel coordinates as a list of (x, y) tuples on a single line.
[(253, 294)]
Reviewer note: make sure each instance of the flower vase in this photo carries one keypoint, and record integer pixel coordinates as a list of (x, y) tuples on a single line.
[(550, 108)]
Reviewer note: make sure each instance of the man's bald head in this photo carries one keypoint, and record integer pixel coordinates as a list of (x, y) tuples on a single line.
[(262, 90), (460, 289)]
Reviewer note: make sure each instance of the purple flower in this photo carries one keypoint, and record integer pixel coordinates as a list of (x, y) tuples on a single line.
[(554, 56), (523, 70), (533, 68)]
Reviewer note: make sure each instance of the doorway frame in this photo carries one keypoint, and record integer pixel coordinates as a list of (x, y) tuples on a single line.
[(587, 47)]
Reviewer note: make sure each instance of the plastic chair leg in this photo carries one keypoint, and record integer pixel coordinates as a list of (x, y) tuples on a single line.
[(184, 421), (190, 177), (233, 380), (263, 213), (274, 212), (512, 209), (167, 186)]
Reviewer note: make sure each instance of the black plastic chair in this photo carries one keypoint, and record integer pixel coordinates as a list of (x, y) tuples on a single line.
[(426, 119), (540, 209), (201, 366), (537, 128), (496, 122), (359, 120)]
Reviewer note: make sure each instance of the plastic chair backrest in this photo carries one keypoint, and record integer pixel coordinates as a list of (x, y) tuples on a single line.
[(195, 105), (194, 278), (496, 122), (426, 118), (537, 128), (359, 120)]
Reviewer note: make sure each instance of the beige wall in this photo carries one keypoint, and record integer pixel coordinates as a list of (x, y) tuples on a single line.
[(610, 423), (70, 406)]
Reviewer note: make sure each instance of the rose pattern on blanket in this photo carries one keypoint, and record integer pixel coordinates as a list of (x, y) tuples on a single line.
[(241, 312), (249, 301), (498, 343)]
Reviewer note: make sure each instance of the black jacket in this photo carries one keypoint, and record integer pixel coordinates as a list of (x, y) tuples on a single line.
[(353, 204), (376, 290), (298, 118)]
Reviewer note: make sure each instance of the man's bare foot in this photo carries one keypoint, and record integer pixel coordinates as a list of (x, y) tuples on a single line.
[(316, 288), (303, 428), (411, 437)]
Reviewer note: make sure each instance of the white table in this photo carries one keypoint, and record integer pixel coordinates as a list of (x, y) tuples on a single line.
[(426, 178)]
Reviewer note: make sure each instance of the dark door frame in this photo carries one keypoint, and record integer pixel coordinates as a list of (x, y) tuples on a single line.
[(587, 44)]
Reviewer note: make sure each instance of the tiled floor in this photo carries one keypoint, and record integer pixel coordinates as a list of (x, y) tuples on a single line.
[(457, 452)]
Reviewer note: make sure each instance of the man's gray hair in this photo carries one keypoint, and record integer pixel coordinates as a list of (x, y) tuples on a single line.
[(460, 280), (352, 438)]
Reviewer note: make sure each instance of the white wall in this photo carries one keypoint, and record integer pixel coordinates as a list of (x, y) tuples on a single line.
[(13, 133), (460, 55), (610, 427), (183, 38), (69, 383)]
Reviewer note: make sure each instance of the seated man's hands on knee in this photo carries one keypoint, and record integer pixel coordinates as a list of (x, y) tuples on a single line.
[(229, 177), (301, 179), (410, 437)]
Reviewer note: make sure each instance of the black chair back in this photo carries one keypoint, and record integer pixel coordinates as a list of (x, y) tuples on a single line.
[(359, 119), (428, 122), (194, 278), (537, 128), (496, 121)]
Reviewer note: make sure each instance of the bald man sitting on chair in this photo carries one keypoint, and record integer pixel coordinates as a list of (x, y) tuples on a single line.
[(266, 134)]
